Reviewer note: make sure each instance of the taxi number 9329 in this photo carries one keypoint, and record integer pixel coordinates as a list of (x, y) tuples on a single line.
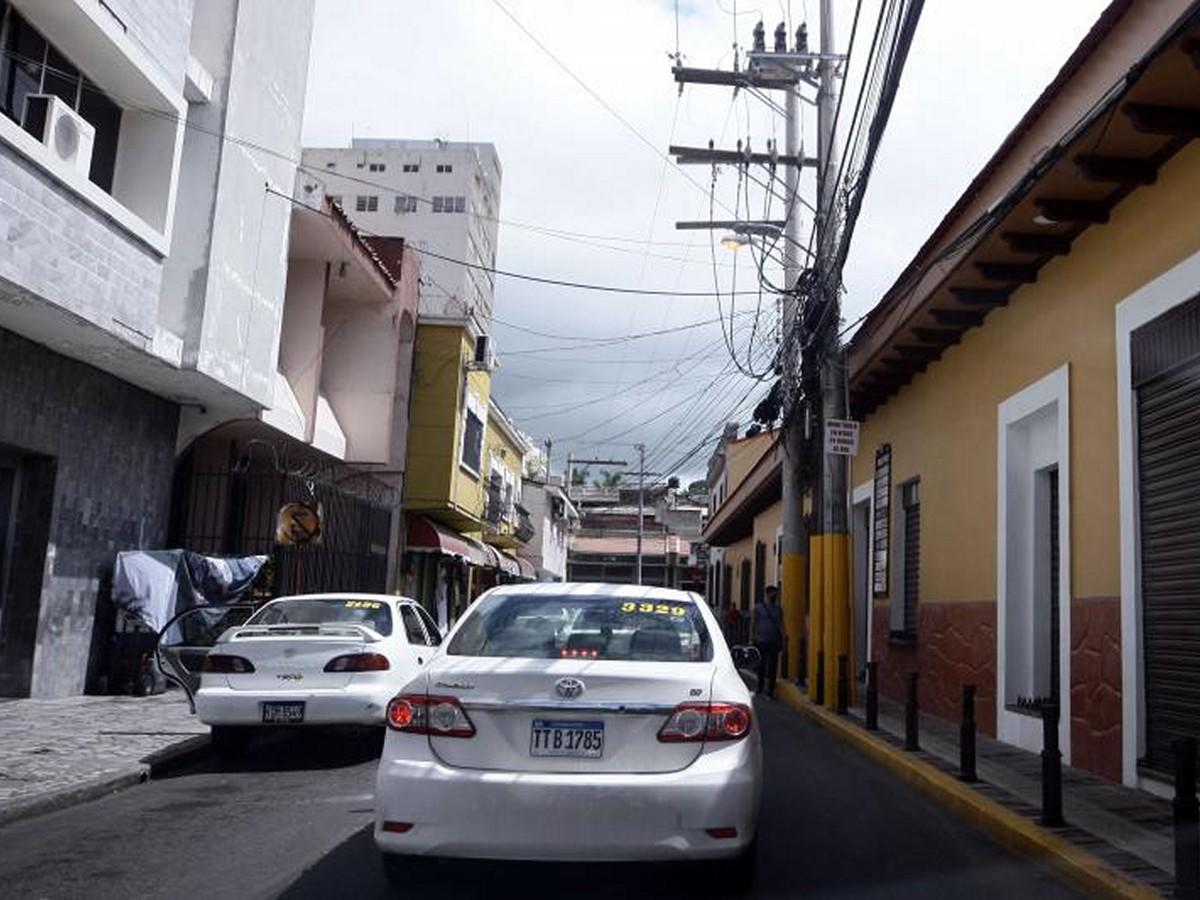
[(661, 609)]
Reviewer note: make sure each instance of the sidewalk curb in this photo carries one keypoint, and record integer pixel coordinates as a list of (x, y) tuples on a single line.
[(106, 784), (1017, 833)]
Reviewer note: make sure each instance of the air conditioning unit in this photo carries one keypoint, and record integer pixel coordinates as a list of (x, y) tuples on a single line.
[(66, 133)]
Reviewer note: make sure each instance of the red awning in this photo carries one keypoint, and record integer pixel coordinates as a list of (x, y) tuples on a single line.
[(505, 563), (427, 536), (528, 569)]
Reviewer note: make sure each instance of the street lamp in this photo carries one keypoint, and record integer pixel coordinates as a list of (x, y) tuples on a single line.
[(734, 241)]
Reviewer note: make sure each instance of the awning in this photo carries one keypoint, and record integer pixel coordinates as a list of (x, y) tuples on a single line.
[(505, 563), (427, 536), (528, 569)]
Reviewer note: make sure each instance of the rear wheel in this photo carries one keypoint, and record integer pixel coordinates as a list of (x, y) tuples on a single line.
[(230, 741)]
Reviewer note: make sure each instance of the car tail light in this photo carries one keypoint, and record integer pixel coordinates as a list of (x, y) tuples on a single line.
[(423, 714), (706, 722), (358, 662), (224, 664), (721, 834), (397, 827)]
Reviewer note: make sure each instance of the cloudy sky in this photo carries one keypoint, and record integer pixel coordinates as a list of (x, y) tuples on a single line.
[(588, 197)]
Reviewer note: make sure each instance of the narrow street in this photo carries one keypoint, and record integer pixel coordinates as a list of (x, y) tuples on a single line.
[(293, 820)]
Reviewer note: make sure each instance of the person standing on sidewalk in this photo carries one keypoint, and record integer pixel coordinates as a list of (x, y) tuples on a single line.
[(768, 638)]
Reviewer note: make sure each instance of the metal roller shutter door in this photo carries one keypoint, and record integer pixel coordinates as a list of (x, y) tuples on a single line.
[(1169, 496)]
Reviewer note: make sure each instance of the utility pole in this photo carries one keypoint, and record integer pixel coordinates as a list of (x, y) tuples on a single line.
[(786, 70), (833, 510), (641, 449)]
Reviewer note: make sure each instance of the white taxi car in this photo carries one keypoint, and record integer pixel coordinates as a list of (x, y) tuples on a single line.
[(574, 722), (313, 659)]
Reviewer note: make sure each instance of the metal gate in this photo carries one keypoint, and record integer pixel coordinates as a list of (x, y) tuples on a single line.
[(1166, 358), (232, 509)]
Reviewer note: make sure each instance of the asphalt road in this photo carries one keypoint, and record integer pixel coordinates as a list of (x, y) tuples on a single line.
[(293, 820)]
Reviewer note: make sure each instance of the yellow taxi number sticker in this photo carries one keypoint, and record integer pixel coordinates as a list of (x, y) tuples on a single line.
[(362, 604), (660, 609)]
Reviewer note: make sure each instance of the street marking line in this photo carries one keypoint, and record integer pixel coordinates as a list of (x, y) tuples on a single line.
[(1010, 829)]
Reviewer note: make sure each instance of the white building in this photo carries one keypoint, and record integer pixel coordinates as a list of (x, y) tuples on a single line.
[(141, 284), (554, 517), (442, 196)]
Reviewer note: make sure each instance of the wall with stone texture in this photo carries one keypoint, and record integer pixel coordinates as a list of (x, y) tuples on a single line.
[(97, 461)]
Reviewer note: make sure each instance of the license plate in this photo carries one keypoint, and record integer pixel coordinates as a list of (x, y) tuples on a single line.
[(559, 737), (282, 713)]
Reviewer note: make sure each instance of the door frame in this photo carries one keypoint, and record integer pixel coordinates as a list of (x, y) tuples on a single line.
[(1172, 288)]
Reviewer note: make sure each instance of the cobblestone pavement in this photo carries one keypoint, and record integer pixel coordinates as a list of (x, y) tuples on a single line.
[(52, 750)]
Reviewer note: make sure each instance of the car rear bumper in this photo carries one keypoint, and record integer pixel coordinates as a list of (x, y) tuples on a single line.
[(598, 817), (351, 705)]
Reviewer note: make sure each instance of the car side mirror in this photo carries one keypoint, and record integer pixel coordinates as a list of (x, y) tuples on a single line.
[(746, 656)]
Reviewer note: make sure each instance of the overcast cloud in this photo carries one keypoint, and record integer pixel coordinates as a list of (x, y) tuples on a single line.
[(461, 70)]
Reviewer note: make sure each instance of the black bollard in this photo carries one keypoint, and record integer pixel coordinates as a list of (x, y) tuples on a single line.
[(820, 676), (1187, 820), (966, 735), (1051, 767), (843, 685), (911, 720), (872, 696)]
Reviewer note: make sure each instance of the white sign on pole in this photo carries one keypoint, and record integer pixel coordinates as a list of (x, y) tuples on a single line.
[(841, 437)]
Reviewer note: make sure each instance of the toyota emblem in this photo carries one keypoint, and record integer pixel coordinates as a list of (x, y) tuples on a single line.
[(569, 688)]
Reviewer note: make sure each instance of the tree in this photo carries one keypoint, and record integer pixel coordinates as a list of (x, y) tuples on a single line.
[(608, 479), (578, 476)]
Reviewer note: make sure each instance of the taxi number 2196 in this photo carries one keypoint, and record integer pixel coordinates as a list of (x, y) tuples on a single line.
[(661, 609)]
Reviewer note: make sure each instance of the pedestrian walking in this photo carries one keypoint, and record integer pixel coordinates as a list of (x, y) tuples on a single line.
[(769, 639)]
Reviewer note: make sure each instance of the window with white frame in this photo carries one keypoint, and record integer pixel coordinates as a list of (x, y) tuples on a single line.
[(410, 167), (471, 451), (366, 203), (406, 203), (377, 167), (444, 168)]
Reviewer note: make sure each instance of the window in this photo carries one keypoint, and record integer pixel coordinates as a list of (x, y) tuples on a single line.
[(331, 165), (373, 614), (406, 203), (411, 167), (31, 65), (575, 627), (377, 167), (445, 168), (431, 629), (412, 625), (366, 203), (449, 204), (472, 446)]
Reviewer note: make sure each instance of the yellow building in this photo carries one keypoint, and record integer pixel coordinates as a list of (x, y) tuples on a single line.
[(460, 445), (1024, 495), (745, 533)]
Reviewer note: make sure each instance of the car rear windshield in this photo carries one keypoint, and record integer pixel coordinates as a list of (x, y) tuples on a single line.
[(583, 627), (374, 614)]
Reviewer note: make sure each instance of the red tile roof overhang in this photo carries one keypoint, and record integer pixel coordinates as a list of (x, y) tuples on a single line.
[(968, 268)]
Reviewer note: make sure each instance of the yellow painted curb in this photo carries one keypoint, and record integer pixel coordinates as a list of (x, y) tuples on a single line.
[(1014, 831)]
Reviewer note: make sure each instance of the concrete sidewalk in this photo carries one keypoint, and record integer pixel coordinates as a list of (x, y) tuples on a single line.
[(1117, 841), (54, 753)]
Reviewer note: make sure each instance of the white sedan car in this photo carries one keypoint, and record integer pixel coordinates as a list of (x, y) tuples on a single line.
[(313, 659), (574, 722)]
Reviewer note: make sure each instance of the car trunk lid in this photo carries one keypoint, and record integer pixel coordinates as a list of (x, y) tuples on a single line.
[(293, 657), (507, 699)]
